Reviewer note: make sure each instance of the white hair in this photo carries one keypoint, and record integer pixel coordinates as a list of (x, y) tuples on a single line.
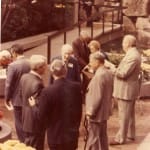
[(37, 61), (67, 48), (58, 68), (5, 54)]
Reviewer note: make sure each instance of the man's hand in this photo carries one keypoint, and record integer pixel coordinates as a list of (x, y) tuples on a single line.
[(8, 105), (31, 101)]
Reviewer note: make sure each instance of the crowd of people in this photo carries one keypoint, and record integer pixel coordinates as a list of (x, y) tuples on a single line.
[(81, 76)]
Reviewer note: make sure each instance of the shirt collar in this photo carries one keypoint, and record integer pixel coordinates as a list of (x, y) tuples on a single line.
[(35, 73)]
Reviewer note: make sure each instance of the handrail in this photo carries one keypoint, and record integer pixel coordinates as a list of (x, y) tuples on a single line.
[(79, 23)]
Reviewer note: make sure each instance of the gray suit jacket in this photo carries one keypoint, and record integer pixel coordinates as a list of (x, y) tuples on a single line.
[(14, 72), (30, 85), (126, 82), (99, 95)]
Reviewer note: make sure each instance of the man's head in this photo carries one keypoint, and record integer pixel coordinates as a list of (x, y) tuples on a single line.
[(58, 69), (5, 58), (38, 63), (66, 52), (84, 36), (16, 50), (97, 59), (128, 42), (94, 46)]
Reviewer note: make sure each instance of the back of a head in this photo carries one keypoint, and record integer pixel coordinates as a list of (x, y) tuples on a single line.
[(98, 56), (67, 48), (5, 54), (36, 61), (58, 68), (130, 39), (17, 48)]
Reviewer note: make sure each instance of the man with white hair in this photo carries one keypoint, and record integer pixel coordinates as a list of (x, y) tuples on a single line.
[(81, 49), (126, 90), (31, 85), (73, 71), (15, 70), (60, 105), (5, 58)]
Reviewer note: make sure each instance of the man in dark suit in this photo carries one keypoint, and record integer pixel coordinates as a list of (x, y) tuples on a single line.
[(81, 50), (60, 106), (14, 72), (31, 84), (72, 65)]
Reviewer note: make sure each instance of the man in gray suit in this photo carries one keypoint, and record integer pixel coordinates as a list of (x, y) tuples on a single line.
[(14, 72), (126, 90), (98, 103), (31, 84)]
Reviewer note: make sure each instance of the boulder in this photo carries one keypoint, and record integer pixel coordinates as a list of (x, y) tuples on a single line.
[(136, 7)]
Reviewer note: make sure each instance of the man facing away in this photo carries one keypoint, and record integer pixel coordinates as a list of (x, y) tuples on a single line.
[(31, 84), (60, 108), (15, 70), (126, 89), (98, 103)]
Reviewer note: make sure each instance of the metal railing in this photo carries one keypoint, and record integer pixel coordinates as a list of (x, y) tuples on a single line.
[(110, 9)]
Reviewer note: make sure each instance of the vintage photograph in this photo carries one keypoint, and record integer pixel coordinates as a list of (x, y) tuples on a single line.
[(75, 75)]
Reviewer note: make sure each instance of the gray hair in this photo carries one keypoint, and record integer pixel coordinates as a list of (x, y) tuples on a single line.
[(131, 40), (98, 56), (58, 68), (5, 54), (36, 61), (67, 47)]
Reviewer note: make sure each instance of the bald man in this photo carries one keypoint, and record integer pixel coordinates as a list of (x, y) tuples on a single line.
[(126, 90)]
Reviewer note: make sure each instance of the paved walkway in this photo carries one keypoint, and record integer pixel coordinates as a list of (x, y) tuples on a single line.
[(142, 141)]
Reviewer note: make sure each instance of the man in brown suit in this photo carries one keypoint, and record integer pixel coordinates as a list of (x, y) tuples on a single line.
[(126, 90), (81, 50), (98, 103)]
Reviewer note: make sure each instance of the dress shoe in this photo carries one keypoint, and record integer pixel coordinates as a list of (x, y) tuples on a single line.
[(113, 142), (131, 139)]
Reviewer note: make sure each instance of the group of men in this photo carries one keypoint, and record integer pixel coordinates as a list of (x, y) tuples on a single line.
[(57, 108)]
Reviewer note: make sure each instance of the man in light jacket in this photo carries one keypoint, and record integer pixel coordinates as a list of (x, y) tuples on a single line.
[(98, 103), (126, 89)]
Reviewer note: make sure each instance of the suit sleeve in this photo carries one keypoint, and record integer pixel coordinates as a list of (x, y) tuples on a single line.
[(76, 49), (9, 86), (94, 96), (123, 71)]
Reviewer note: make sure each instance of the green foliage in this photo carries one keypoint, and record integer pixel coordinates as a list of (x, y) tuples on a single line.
[(27, 19)]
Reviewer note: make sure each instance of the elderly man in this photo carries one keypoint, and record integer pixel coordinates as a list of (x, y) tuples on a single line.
[(31, 84), (126, 90), (15, 70), (5, 58), (81, 50), (73, 72), (61, 107), (98, 103)]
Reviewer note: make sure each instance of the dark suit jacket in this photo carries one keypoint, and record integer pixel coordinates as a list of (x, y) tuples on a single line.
[(81, 52), (61, 107), (30, 85), (15, 70), (73, 71)]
